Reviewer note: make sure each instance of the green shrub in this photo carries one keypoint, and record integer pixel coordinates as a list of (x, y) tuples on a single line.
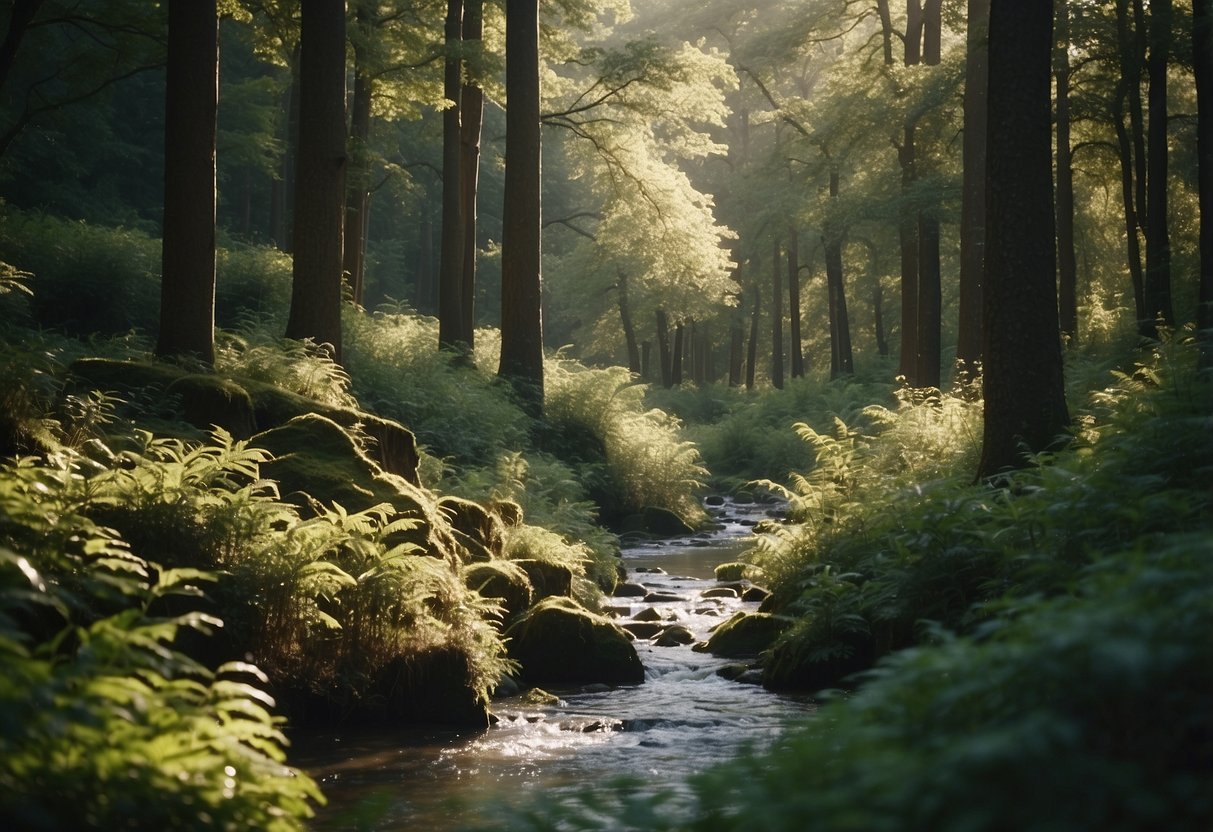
[(105, 720)]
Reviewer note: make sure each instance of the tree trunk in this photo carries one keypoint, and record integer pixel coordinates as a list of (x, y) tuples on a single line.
[(1024, 396), (187, 287), (752, 349), (973, 194), (19, 19), (472, 117), (646, 361), (930, 300), (676, 359), (886, 30), (796, 345), (908, 234), (1132, 240), (1067, 266), (736, 350), (1158, 238), (320, 177), (914, 31), (425, 267), (776, 318), (1202, 48), (841, 360), (358, 195), (882, 343), (932, 32), (521, 280), (629, 331), (663, 349), (451, 246)]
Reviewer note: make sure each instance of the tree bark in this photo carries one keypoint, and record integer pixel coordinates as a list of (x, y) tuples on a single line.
[(752, 348), (358, 195), (320, 177), (663, 349), (841, 360), (908, 234), (914, 31), (676, 359), (521, 280), (886, 30), (932, 32), (472, 117), (1025, 406), (736, 350), (1132, 226), (973, 194), (930, 300), (1067, 271), (1158, 237), (451, 245), (1202, 48), (282, 221), (629, 330), (776, 318), (797, 343), (187, 288), (882, 343)]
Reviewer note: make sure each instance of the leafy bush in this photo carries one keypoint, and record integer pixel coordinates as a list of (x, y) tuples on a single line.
[(106, 722)]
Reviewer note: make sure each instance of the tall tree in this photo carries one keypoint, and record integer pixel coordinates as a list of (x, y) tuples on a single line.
[(450, 277), (319, 176), (358, 197), (521, 277), (187, 288), (776, 317), (973, 194), (1158, 238), (1067, 272), (796, 345), (471, 109), (1025, 406), (841, 359), (1202, 49)]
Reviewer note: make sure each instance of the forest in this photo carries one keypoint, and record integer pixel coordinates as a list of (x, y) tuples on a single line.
[(355, 354)]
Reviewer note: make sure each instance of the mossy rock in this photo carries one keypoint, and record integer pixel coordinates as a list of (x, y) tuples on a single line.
[(664, 523), (314, 458), (746, 634), (558, 641), (480, 530), (394, 446), (211, 400), (501, 580), (547, 579), (732, 571)]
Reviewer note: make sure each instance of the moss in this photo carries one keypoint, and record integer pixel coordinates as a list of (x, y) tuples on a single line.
[(477, 528), (557, 641), (746, 634), (210, 400), (548, 579), (732, 571), (501, 580)]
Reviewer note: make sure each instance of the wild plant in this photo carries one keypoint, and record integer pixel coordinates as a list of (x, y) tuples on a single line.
[(648, 463), (300, 367), (105, 719)]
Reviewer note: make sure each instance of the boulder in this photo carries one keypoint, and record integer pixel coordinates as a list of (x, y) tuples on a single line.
[(547, 579), (731, 571), (663, 522), (630, 590), (558, 641), (755, 594), (674, 636), (746, 634), (502, 580), (643, 629), (479, 530), (719, 592)]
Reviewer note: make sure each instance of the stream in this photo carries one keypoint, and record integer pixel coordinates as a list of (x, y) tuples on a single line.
[(683, 719)]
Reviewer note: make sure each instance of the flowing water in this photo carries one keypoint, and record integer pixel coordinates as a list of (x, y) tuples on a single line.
[(683, 719)]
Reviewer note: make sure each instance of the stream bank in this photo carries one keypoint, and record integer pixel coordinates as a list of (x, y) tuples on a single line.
[(683, 719)]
